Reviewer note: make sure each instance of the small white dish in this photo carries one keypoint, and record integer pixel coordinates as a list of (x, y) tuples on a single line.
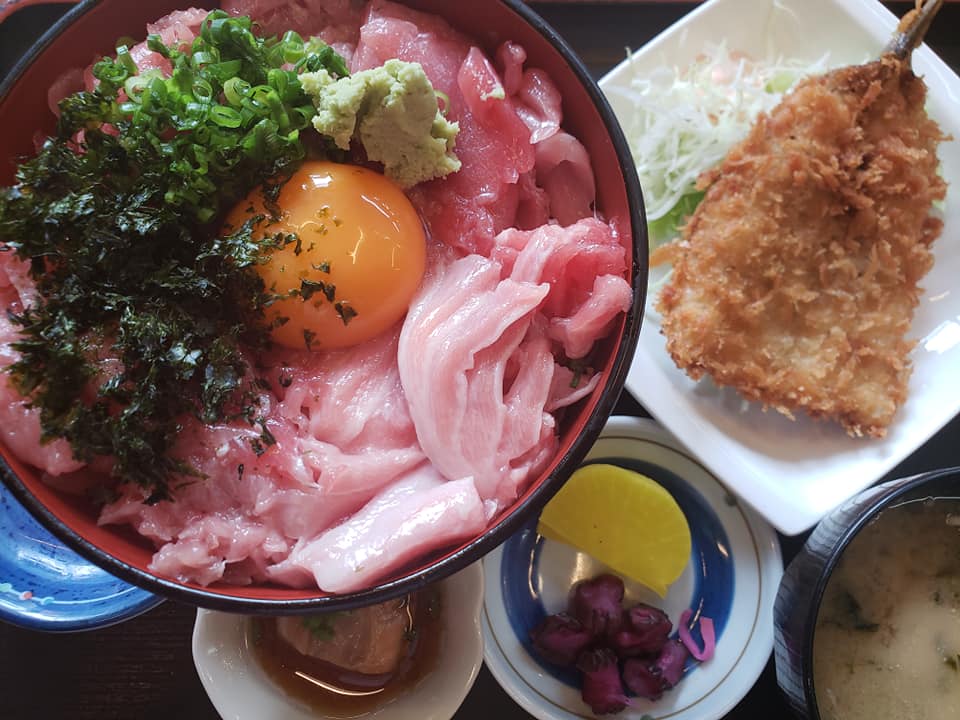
[(794, 473), (732, 578), (240, 690)]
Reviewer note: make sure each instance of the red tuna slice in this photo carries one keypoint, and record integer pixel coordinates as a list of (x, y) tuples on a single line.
[(178, 29), (533, 206), (464, 210), (336, 22), (564, 171), (392, 31), (497, 117), (70, 82), (539, 105), (146, 59), (510, 59), (565, 187), (538, 101)]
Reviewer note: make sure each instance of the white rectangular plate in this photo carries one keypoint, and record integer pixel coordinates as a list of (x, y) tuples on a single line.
[(794, 472)]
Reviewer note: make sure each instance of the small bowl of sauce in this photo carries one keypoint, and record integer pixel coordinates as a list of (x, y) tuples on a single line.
[(412, 657), (868, 614)]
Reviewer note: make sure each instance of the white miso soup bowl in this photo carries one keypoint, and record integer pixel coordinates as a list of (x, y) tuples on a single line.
[(805, 580)]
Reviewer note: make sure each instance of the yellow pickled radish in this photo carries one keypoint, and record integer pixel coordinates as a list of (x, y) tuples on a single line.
[(625, 520)]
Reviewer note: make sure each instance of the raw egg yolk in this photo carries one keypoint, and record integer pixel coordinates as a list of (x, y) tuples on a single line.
[(358, 234)]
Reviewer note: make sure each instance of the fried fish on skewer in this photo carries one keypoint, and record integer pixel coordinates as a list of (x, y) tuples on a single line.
[(797, 277)]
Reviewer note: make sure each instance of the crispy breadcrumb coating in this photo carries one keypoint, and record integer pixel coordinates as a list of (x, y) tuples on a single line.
[(796, 279)]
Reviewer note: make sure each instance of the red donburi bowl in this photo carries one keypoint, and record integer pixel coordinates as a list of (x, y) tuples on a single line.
[(93, 27)]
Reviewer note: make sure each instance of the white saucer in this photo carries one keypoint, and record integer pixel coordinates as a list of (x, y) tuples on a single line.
[(732, 578), (241, 690)]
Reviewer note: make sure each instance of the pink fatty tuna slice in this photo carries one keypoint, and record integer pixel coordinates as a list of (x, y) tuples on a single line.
[(20, 431), (584, 265), (464, 326), (478, 349), (342, 432), (418, 513), (20, 423)]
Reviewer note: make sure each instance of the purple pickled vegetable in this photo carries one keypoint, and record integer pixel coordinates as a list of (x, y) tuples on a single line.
[(602, 687), (650, 679), (617, 650), (670, 663), (643, 678), (644, 631), (560, 639), (597, 604), (706, 632)]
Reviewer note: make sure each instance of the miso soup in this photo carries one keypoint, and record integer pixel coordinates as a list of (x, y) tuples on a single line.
[(887, 640)]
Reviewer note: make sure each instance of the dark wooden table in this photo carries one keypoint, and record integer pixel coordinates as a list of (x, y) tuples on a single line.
[(143, 669)]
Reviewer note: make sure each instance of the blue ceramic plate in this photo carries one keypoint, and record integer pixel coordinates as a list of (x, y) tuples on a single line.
[(732, 578), (45, 586)]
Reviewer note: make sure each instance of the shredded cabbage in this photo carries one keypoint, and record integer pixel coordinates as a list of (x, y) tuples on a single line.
[(685, 120)]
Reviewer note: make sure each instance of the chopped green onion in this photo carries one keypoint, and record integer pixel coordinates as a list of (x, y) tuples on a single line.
[(124, 58), (235, 89), (202, 90), (226, 117), (130, 219)]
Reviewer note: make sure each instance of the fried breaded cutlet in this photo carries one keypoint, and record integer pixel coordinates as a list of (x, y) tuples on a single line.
[(796, 279)]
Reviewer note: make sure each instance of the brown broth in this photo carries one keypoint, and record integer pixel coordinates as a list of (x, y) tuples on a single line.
[(337, 692)]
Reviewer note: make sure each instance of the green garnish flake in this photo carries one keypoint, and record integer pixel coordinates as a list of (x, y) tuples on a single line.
[(852, 614), (266, 437), (322, 627), (344, 310), (117, 216), (308, 288), (579, 367)]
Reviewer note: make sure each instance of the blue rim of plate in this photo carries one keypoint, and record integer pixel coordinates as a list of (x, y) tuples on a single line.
[(732, 578), (46, 586)]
